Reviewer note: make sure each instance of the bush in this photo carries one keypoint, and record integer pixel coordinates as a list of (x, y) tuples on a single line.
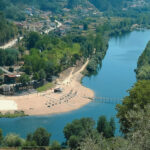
[(1, 136), (73, 142), (24, 79), (11, 69), (55, 146), (1, 72), (105, 127), (41, 137), (13, 140)]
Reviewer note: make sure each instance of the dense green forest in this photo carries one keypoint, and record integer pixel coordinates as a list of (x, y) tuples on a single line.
[(105, 5), (11, 10), (14, 9), (143, 67), (50, 54), (7, 30), (9, 57)]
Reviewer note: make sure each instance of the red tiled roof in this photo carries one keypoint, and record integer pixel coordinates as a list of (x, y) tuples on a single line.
[(10, 76)]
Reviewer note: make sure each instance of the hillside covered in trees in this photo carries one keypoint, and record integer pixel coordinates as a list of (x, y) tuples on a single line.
[(14, 9), (7, 30), (104, 5), (143, 68), (11, 8)]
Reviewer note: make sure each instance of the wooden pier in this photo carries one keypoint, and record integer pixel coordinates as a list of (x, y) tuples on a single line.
[(107, 100)]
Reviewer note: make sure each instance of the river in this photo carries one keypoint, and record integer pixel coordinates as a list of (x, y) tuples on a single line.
[(113, 80)]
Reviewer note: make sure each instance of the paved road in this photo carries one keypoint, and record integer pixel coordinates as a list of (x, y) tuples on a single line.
[(6, 71), (10, 43)]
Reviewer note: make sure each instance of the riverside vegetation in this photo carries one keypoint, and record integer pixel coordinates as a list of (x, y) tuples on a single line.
[(12, 115), (82, 134), (143, 68), (74, 133)]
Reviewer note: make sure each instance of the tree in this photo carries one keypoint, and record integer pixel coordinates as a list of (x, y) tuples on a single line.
[(96, 142), (11, 69), (55, 146), (13, 140), (101, 124), (32, 38), (27, 69), (139, 136), (1, 72), (36, 76), (1, 136), (42, 74), (8, 57), (80, 128), (24, 79), (105, 127), (143, 67), (73, 142), (72, 3), (41, 137), (139, 97), (21, 49), (113, 127), (29, 140), (85, 26), (7, 29)]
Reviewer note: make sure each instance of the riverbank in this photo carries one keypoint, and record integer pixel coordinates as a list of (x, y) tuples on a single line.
[(72, 97)]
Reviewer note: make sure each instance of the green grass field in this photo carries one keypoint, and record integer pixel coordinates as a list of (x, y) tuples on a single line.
[(45, 87)]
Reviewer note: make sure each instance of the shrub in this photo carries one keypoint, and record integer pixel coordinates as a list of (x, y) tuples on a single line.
[(13, 140)]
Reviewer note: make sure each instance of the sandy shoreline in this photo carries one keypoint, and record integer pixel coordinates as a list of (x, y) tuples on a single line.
[(73, 97)]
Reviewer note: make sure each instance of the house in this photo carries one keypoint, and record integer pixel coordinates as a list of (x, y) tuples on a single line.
[(10, 79), (52, 24), (7, 90), (81, 27)]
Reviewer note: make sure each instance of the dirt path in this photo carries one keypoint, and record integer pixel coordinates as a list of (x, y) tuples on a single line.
[(72, 75), (10, 43), (83, 67)]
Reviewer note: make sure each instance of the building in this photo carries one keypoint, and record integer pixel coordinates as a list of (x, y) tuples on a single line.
[(10, 79), (7, 90)]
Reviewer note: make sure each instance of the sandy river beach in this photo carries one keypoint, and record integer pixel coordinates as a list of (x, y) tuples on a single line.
[(73, 96)]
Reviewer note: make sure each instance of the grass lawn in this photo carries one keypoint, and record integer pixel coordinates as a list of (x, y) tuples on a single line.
[(45, 87), (13, 115)]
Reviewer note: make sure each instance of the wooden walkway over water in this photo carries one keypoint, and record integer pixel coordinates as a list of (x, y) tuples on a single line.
[(107, 100)]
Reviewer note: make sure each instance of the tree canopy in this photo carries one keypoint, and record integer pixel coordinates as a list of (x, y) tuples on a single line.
[(7, 29), (139, 97), (41, 137), (143, 67)]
